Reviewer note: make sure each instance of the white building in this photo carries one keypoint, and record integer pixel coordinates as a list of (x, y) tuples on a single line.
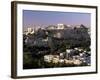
[(77, 26), (48, 58), (30, 31), (58, 35), (60, 26)]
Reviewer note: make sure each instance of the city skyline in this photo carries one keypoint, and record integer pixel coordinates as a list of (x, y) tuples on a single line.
[(44, 18)]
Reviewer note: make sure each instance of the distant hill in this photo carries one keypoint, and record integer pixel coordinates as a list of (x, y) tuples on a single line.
[(76, 36)]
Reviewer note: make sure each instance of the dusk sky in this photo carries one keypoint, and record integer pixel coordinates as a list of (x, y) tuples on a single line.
[(45, 18)]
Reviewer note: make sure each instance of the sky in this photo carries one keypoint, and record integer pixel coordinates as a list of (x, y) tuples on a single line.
[(44, 18)]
